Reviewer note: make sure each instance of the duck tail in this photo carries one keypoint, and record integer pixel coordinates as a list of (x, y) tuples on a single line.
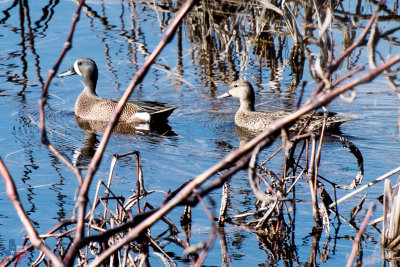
[(162, 114), (334, 122)]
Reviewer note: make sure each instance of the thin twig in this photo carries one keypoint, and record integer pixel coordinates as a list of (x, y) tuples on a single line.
[(359, 234), (138, 189), (43, 99)]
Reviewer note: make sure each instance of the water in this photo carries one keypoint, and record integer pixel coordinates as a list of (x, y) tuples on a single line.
[(119, 36)]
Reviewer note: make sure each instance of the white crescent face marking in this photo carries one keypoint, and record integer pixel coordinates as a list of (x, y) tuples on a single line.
[(76, 68)]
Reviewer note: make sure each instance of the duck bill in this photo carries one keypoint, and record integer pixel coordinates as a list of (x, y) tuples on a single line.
[(69, 72), (224, 95)]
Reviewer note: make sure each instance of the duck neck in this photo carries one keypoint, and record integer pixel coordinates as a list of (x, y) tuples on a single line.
[(90, 82), (247, 105)]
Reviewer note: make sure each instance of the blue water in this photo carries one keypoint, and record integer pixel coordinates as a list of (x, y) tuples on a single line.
[(119, 38)]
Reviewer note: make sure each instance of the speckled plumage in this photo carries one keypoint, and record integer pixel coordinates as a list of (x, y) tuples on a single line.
[(90, 106), (255, 121)]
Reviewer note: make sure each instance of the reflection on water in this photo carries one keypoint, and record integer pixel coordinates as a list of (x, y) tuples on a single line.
[(219, 42), (127, 128), (82, 156)]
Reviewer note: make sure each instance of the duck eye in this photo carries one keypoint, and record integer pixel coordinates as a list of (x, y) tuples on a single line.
[(79, 63), (235, 85)]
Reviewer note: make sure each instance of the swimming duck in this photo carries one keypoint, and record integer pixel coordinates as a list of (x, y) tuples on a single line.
[(90, 106), (256, 121)]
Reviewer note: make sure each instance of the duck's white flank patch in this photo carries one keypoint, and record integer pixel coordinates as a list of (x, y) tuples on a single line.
[(143, 127), (76, 68), (141, 116)]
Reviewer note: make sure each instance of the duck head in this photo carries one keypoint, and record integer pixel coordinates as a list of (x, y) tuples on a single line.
[(86, 68), (243, 90)]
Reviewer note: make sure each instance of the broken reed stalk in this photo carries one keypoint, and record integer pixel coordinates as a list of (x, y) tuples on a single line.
[(226, 259), (359, 234), (110, 175), (138, 173), (319, 150), (318, 158), (224, 205), (377, 180), (312, 174), (387, 204), (393, 224), (138, 189), (240, 153), (30, 229), (94, 163), (310, 180), (43, 99)]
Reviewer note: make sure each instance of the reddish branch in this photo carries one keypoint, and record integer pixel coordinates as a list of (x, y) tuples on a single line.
[(359, 234), (43, 99)]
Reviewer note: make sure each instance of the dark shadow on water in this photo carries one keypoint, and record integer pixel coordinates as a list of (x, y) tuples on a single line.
[(127, 128), (83, 156)]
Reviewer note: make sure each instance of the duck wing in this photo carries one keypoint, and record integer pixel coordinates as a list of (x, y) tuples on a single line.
[(158, 111)]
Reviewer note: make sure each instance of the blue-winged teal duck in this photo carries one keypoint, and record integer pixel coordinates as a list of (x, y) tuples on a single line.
[(90, 106), (255, 121)]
